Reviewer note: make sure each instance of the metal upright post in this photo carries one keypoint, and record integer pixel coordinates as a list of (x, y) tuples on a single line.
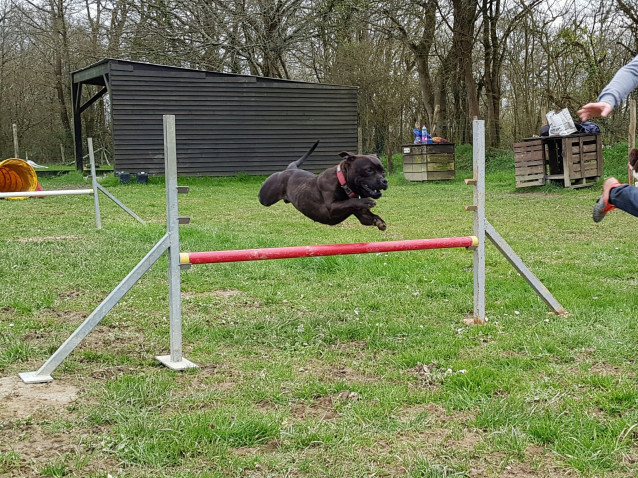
[(94, 185), (170, 243), (44, 373), (175, 360), (478, 161)]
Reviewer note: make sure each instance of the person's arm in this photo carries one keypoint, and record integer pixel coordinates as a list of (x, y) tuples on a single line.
[(624, 82)]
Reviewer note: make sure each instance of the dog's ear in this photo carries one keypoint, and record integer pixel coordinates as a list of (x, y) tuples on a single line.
[(633, 159), (347, 156)]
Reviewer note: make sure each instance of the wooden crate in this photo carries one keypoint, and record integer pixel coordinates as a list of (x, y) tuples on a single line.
[(575, 160), (428, 162), (529, 163)]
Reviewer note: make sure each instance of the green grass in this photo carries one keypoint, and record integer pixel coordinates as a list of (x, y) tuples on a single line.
[(329, 366)]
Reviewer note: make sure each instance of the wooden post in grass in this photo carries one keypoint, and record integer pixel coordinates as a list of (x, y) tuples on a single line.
[(435, 119), (15, 141), (389, 149), (632, 135)]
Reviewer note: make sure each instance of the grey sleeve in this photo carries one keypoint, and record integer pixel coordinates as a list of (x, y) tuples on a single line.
[(624, 82)]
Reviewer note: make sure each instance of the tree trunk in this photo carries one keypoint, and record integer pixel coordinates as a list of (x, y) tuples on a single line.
[(60, 45), (463, 41)]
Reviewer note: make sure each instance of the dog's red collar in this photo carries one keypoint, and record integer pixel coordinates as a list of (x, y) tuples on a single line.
[(342, 182)]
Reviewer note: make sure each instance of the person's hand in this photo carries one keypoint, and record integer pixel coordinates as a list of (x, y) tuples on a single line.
[(592, 110)]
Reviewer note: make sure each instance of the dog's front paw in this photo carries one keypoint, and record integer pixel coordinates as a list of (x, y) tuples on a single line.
[(368, 203), (380, 224)]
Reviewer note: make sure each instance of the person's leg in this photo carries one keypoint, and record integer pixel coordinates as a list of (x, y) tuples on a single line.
[(625, 197), (616, 195)]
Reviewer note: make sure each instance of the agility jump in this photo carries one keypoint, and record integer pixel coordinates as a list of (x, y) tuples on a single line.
[(177, 261), (78, 192)]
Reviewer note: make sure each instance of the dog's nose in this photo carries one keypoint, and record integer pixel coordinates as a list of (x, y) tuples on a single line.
[(384, 182)]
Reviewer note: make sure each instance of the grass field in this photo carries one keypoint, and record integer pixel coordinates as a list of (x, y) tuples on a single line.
[(350, 366)]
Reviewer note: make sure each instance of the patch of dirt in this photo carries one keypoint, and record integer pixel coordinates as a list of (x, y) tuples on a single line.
[(428, 376), (66, 316), (350, 375), (437, 414), (323, 408), (498, 464), (338, 373), (8, 310), (48, 238), (20, 400), (25, 409), (443, 430), (74, 294), (228, 300), (224, 293), (356, 345), (110, 373), (605, 369), (22, 407), (32, 444), (442, 439), (221, 378), (216, 376), (123, 340)]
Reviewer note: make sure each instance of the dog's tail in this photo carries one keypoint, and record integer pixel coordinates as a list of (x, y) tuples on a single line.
[(299, 162)]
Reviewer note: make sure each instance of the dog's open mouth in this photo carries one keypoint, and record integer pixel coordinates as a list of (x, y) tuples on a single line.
[(373, 193)]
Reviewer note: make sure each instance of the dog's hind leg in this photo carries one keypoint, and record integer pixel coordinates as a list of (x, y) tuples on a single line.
[(273, 189)]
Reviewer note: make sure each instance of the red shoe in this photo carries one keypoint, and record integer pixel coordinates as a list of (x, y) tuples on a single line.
[(603, 206)]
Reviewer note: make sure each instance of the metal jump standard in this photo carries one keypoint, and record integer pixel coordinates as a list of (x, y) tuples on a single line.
[(79, 192), (170, 243)]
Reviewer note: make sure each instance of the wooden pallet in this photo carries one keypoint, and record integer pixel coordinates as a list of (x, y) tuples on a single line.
[(584, 158), (530, 163)]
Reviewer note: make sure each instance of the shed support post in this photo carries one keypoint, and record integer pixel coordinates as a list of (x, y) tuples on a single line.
[(77, 125)]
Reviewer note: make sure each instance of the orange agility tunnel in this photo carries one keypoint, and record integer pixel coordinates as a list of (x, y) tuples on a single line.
[(17, 175)]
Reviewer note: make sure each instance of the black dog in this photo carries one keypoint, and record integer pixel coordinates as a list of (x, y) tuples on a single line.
[(633, 163), (335, 194)]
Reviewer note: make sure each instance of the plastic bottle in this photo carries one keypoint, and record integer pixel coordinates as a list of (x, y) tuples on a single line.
[(425, 137)]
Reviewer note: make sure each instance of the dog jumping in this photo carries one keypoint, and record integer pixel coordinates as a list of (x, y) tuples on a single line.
[(349, 188)]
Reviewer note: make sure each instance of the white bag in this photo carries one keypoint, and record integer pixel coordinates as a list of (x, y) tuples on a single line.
[(560, 123)]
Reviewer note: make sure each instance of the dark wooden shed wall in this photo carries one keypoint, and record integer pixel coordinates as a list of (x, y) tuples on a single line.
[(226, 123)]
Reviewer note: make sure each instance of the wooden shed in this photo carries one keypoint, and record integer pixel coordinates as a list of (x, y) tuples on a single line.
[(226, 123)]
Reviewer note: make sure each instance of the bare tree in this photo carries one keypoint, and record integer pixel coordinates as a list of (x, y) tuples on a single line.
[(629, 10), (414, 25), (497, 26), (48, 19), (248, 36)]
